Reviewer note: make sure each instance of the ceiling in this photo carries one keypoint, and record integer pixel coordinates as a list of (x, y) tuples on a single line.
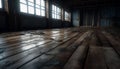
[(81, 3)]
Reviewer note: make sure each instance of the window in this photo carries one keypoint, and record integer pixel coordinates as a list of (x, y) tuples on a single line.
[(67, 16), (0, 3), (36, 7), (56, 12)]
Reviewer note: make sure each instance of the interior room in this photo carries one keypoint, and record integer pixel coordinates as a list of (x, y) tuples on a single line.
[(59, 34)]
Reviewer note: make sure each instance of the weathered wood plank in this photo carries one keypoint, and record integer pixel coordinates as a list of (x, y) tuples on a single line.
[(23, 49), (63, 60), (24, 39), (95, 58), (54, 53), (111, 57), (59, 49), (41, 51), (115, 44), (76, 61)]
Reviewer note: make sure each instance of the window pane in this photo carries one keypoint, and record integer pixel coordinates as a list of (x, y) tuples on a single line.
[(38, 2), (42, 13), (31, 0), (31, 10), (58, 11), (67, 16), (57, 16), (23, 1), (42, 8), (42, 3), (0, 3), (53, 8), (23, 8), (31, 4), (53, 15), (53, 12), (37, 11), (37, 6)]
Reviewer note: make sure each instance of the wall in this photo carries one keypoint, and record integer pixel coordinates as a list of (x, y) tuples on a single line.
[(17, 21), (76, 18), (98, 16), (110, 16), (3, 21), (30, 22)]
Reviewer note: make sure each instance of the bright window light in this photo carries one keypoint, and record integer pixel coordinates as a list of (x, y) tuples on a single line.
[(31, 3), (35, 7), (31, 0), (67, 16), (0, 3), (23, 8), (38, 2), (42, 13), (37, 11), (31, 10), (56, 12), (42, 3), (23, 1)]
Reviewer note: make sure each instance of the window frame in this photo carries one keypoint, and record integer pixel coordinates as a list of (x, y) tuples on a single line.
[(56, 12), (67, 16), (1, 1), (35, 7)]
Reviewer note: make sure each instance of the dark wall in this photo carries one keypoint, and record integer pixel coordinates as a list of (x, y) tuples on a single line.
[(76, 18), (107, 15), (99, 16), (3, 21), (30, 22)]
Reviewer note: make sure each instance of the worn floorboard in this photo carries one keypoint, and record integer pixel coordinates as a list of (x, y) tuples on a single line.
[(70, 48)]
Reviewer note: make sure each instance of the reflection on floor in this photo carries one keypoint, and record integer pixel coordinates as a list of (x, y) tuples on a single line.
[(71, 48)]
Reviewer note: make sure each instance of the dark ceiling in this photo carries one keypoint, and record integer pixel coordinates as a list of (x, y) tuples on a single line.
[(81, 3)]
